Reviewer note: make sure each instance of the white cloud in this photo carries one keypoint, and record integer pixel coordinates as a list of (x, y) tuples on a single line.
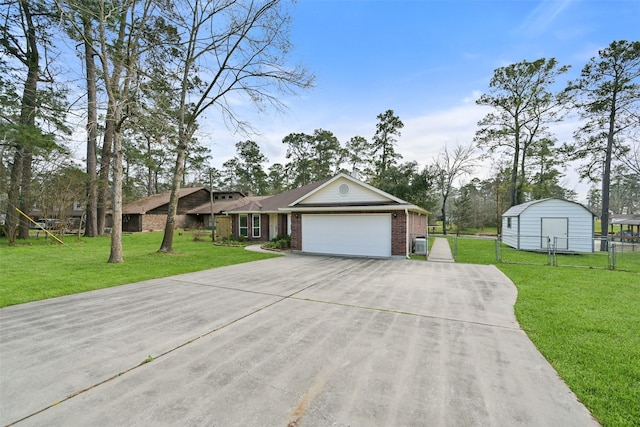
[(541, 18)]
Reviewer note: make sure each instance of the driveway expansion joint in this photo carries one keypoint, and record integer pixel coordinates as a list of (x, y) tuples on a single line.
[(408, 313)]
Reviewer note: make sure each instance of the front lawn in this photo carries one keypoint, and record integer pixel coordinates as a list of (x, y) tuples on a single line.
[(585, 321), (36, 269)]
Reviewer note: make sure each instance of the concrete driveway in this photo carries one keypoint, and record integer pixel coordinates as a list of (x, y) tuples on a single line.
[(291, 341)]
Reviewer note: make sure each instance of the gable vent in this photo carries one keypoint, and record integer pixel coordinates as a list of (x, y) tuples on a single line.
[(343, 190)]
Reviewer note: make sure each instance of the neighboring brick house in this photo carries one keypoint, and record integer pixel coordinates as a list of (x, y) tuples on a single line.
[(150, 213), (338, 216)]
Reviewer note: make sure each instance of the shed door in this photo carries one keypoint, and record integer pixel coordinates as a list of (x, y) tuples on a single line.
[(557, 230), (347, 234)]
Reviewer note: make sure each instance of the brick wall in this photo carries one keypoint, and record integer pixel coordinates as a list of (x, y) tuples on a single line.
[(399, 234), (153, 222), (296, 232), (158, 222), (264, 227)]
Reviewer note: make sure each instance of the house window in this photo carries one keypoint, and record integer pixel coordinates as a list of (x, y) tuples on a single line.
[(77, 205), (244, 226), (256, 225), (508, 222)]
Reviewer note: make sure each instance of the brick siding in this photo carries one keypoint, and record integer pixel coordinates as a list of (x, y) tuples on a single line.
[(296, 232), (399, 234)]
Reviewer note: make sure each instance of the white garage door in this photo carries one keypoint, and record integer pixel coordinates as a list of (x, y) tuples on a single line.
[(347, 234)]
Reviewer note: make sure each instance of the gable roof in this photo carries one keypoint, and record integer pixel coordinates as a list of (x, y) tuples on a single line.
[(518, 209), (274, 203), (149, 203), (294, 199), (371, 188)]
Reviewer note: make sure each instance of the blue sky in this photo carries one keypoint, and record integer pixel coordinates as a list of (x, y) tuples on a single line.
[(427, 60)]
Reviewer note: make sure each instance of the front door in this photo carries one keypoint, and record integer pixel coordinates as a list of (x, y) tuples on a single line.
[(555, 231)]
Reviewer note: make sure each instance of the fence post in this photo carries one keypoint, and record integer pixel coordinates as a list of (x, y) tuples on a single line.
[(612, 255), (498, 257)]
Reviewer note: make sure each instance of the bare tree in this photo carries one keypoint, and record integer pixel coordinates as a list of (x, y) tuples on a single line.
[(631, 158), (447, 168), (224, 47)]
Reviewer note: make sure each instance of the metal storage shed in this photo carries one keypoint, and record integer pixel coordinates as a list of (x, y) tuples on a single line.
[(549, 223)]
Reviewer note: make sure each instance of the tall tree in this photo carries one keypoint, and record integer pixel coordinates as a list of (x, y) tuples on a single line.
[(251, 175), (358, 156), (277, 178), (545, 181), (462, 211), (225, 47), (383, 144), (328, 154), (118, 43), (26, 108), (608, 98), (523, 107), (300, 149), (447, 167)]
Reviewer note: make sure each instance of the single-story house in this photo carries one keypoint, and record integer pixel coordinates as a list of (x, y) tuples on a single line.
[(338, 216), (223, 202), (541, 224), (150, 213)]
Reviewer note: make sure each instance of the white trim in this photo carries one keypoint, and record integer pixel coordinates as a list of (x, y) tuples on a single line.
[(407, 233), (355, 181), (253, 226), (240, 225), (352, 208)]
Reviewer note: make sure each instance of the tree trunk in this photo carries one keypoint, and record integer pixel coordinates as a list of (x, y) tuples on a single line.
[(444, 215), (25, 194), (91, 221), (513, 193), (21, 170), (115, 255), (103, 179), (606, 177), (167, 239), (13, 217)]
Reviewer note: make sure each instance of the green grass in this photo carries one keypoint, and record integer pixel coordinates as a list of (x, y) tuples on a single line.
[(585, 321), (587, 324), (37, 269)]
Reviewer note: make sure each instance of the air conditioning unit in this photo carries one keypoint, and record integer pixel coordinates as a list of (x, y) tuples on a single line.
[(421, 246)]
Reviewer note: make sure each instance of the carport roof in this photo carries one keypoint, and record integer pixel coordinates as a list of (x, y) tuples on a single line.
[(630, 219)]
